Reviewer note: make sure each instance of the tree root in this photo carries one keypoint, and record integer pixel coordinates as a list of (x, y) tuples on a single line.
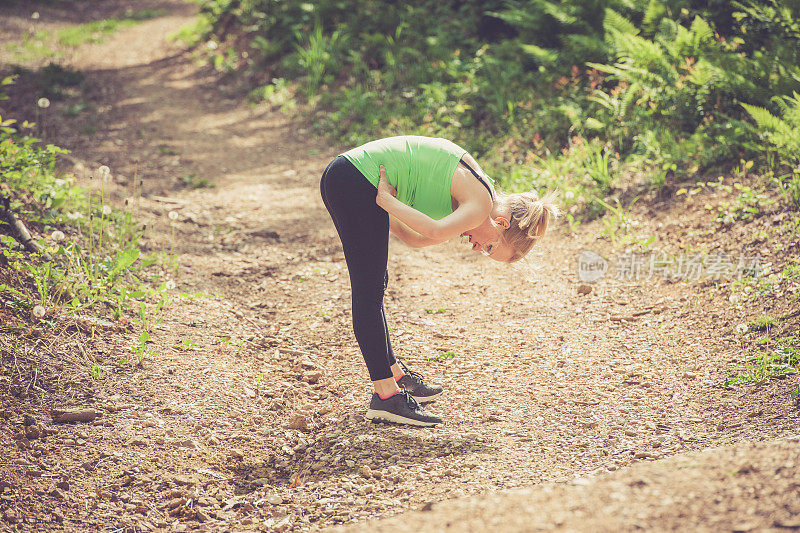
[(18, 229)]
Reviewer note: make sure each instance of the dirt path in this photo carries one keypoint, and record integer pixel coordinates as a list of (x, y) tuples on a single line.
[(546, 385)]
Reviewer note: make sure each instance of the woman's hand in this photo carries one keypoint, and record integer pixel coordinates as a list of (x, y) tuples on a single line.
[(384, 189)]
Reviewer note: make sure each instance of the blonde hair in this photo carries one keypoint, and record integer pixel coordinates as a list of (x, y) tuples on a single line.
[(529, 217)]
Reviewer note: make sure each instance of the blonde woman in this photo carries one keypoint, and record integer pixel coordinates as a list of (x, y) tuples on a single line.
[(425, 191)]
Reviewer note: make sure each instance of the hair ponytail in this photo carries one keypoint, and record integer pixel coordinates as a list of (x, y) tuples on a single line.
[(530, 217)]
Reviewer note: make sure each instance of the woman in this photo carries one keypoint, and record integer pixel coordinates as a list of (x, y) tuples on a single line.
[(425, 191)]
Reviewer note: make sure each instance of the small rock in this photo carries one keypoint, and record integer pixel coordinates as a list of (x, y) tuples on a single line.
[(175, 503), (791, 522), (33, 432), (584, 288), (58, 494), (182, 481), (365, 472), (188, 443), (58, 516), (275, 499), (138, 441), (63, 485), (298, 422), (28, 420), (202, 515), (312, 377), (10, 516)]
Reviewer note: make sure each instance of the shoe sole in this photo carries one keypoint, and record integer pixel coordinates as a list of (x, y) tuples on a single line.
[(426, 399), (383, 416)]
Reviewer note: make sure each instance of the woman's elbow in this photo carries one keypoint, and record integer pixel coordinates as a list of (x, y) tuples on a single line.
[(436, 233)]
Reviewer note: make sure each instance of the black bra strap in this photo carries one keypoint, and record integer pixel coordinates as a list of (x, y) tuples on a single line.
[(479, 178)]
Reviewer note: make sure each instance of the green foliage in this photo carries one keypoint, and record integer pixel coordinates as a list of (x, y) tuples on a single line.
[(443, 357), (37, 45), (96, 264), (670, 86), (783, 132), (775, 358), (762, 323), (97, 30)]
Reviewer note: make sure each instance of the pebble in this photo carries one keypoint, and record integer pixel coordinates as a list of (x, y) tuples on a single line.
[(298, 422), (365, 472), (275, 499), (188, 443)]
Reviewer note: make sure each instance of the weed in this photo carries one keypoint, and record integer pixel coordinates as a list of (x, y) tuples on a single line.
[(617, 222), (187, 344), (598, 169), (436, 311), (746, 206), (573, 224), (319, 54), (166, 150), (222, 341), (191, 181), (762, 323), (141, 351), (443, 357), (777, 358), (97, 371)]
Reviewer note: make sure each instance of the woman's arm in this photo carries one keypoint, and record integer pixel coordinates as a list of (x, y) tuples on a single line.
[(408, 235), (467, 216)]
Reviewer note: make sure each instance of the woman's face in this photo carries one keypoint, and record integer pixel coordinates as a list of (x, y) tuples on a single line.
[(486, 238)]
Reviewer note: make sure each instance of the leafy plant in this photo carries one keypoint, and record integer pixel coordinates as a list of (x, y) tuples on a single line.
[(777, 358), (616, 222), (97, 371), (443, 357)]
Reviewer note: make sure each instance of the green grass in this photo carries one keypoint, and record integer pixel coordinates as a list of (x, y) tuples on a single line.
[(32, 47), (775, 358), (96, 31), (762, 323), (443, 357), (41, 44)]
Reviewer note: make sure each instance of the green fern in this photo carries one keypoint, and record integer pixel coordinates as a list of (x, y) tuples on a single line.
[(615, 21), (782, 132)]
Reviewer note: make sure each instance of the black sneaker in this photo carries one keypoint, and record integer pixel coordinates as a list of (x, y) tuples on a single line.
[(413, 383), (400, 408)]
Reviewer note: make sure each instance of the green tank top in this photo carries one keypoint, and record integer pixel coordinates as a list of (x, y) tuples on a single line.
[(420, 168)]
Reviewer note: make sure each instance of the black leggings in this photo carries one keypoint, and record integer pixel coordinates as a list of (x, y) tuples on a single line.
[(363, 228)]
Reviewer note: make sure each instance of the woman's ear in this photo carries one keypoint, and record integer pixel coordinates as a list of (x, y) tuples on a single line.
[(502, 222)]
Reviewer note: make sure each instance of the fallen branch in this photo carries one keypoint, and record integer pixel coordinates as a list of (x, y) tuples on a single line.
[(18, 229), (74, 415)]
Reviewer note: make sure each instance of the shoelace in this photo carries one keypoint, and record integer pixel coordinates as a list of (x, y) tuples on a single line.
[(416, 376), (414, 404)]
